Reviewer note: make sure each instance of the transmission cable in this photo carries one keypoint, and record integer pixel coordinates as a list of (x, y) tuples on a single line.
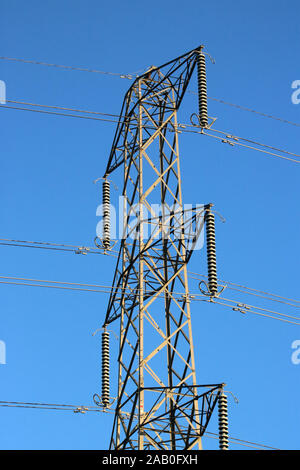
[(129, 76), (250, 291), (241, 442), (132, 76), (84, 408), (239, 306), (192, 275), (234, 137), (243, 108), (78, 249), (58, 114), (182, 127), (62, 108)]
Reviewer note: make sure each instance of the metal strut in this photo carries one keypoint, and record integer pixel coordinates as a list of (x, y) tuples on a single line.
[(223, 421), (105, 368), (211, 250), (202, 88)]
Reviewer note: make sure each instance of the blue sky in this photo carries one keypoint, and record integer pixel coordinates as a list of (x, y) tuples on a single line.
[(48, 164)]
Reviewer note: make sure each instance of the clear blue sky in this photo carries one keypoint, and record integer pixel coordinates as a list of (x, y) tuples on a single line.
[(48, 165)]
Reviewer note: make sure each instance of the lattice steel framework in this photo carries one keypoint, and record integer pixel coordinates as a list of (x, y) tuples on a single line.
[(159, 404)]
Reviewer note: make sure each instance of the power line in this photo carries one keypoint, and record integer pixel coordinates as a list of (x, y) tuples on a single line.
[(11, 280), (233, 137), (58, 114), (230, 139), (62, 108), (53, 287), (68, 285), (235, 142), (70, 67), (264, 297), (49, 406), (258, 308), (193, 275), (84, 408), (197, 276), (74, 286), (180, 126), (242, 308), (241, 442), (132, 76), (251, 141), (244, 108), (250, 291), (77, 249)]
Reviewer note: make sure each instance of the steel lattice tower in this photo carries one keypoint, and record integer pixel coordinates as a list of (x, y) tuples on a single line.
[(159, 403)]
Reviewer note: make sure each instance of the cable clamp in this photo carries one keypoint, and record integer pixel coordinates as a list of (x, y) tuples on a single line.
[(233, 137), (225, 141), (198, 123), (81, 409), (207, 292), (99, 244), (82, 250), (98, 401), (241, 308)]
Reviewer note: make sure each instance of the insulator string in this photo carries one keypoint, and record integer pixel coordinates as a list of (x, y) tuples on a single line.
[(211, 251), (223, 421), (106, 213), (202, 88), (105, 368)]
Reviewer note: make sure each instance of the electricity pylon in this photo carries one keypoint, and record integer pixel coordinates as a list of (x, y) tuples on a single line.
[(159, 404)]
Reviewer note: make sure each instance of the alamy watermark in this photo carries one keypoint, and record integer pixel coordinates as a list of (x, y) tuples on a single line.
[(295, 358), (2, 92), (2, 352), (176, 222), (296, 94)]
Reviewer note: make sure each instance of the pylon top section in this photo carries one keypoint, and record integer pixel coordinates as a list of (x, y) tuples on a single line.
[(153, 84)]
